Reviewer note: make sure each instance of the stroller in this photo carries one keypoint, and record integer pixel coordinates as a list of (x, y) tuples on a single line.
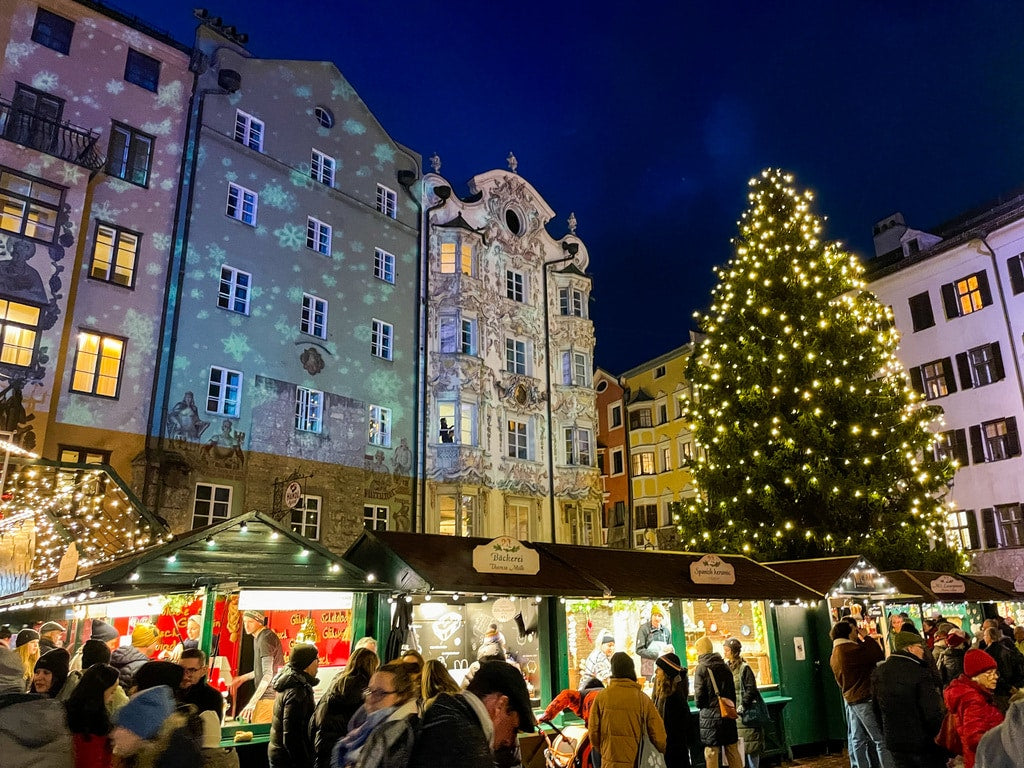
[(570, 747)]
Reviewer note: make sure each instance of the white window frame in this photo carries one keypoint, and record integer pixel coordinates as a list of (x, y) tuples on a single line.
[(95, 370), (231, 294), (382, 337), (643, 463), (982, 363), (570, 302), (111, 250), (387, 201), (517, 435), (995, 438), (1009, 522), (374, 514), (517, 356), (243, 204), (384, 265), (615, 410), (958, 529), (666, 458), (461, 419), (464, 522), (968, 295), (458, 334), (309, 410), (575, 368), (213, 504), (228, 382), (322, 167), (306, 505), (379, 427), (933, 377), (579, 446), (517, 519), (515, 285), (313, 320), (318, 236), (249, 130)]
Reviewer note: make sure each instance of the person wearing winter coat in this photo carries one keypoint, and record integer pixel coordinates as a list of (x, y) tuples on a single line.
[(652, 639), (671, 691), (853, 660), (88, 717), (621, 716), (51, 673), (149, 732), (748, 698), (33, 732), (716, 731), (392, 721), (1010, 664), (1003, 746), (971, 700), (597, 665), (290, 743), (909, 704), (577, 702), (128, 659), (951, 661), (336, 707)]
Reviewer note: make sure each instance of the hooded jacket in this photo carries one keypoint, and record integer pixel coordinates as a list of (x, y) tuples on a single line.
[(617, 719), (909, 703), (126, 661), (715, 730), (290, 742), (33, 732), (1001, 747), (976, 714)]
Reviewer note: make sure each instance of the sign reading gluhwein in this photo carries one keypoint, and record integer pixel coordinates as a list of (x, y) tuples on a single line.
[(947, 585), (711, 569), (505, 555)]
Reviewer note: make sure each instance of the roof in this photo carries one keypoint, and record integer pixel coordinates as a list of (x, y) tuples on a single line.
[(919, 582), (572, 269), (839, 573), (457, 223), (996, 583), (640, 396)]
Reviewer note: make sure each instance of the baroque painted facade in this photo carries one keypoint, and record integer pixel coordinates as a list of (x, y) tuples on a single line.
[(510, 408)]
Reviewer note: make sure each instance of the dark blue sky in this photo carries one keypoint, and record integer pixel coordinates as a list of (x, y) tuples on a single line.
[(647, 119)]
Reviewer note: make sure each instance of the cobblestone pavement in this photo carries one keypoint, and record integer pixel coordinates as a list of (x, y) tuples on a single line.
[(835, 760)]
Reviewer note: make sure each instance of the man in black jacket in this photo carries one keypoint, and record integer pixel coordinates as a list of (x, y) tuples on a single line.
[(290, 742), (1010, 664), (909, 704), (194, 688), (467, 730)]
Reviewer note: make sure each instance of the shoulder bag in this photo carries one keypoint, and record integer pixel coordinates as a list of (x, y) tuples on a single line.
[(949, 736), (647, 755), (756, 716), (727, 707)]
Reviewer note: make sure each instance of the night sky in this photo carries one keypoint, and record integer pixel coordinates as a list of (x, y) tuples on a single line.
[(647, 119)]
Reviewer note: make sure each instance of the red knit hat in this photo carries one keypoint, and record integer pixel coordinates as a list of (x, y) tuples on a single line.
[(976, 662)]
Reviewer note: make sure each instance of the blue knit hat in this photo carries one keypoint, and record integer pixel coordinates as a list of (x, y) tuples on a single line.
[(146, 711)]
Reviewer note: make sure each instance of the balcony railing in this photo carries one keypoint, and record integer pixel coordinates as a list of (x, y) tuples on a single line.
[(63, 140)]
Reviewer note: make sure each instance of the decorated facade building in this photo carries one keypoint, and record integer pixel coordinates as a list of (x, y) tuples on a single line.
[(613, 459), (510, 415)]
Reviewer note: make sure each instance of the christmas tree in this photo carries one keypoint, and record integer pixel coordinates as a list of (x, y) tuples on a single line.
[(811, 441)]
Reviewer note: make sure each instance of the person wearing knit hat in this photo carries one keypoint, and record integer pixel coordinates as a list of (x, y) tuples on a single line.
[(713, 680), (51, 635), (138, 722), (94, 652), (33, 729), (749, 705), (51, 672), (596, 665), (949, 658), (25, 637), (213, 755), (268, 658), (901, 641), (127, 660), (670, 693), (154, 673), (291, 744), (703, 645), (103, 631), (653, 638), (971, 699), (616, 713), (26, 645)]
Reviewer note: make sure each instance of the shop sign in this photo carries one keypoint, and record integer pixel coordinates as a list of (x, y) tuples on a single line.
[(506, 555), (947, 585), (292, 495), (711, 569)]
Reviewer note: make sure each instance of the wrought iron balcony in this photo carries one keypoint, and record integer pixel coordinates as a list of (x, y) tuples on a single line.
[(60, 139)]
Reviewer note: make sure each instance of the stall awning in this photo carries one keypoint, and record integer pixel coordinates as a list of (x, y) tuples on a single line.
[(937, 587), (1001, 585), (843, 575)]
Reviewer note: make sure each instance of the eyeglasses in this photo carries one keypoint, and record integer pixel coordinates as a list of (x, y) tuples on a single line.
[(376, 693)]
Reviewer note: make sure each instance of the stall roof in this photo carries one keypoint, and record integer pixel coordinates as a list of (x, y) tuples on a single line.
[(827, 574), (418, 562), (1002, 585), (266, 554), (919, 582)]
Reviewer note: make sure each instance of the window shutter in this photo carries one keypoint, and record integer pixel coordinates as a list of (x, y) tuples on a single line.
[(960, 447), (1012, 437), (997, 362), (988, 528), (921, 311), (947, 374), (949, 301), (977, 447), (986, 292), (1016, 269), (963, 365), (972, 529), (916, 380)]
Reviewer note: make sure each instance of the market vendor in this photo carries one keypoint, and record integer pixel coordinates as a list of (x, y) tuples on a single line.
[(652, 640), (268, 658), (598, 665)]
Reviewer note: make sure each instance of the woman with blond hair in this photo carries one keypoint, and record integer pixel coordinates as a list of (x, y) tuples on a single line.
[(26, 645), (330, 719), (436, 679)]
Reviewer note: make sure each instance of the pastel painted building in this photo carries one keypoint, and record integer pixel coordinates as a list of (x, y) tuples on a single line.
[(288, 376), (613, 459), (510, 408)]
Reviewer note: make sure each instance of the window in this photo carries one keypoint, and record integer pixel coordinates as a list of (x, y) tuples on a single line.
[(324, 116), (387, 201), (995, 440), (242, 204), (615, 416), (375, 518), (570, 302), (618, 465), (645, 516), (318, 236), (517, 520), (322, 168), (663, 413), (518, 439), (53, 31), (1009, 525), (962, 529), (921, 315), (659, 371), (980, 366), (579, 445), (581, 525), (384, 265), (233, 294), (314, 316), (98, 364), (18, 332), (456, 423), (456, 515), (28, 207), (575, 369), (934, 379), (248, 130), (142, 70), (114, 255), (643, 463), (515, 356), (212, 504), (666, 459), (685, 453), (78, 455), (130, 154), (458, 335), (34, 119), (306, 517), (515, 286), (952, 445), (381, 336), (380, 426), (1015, 266), (309, 410), (641, 417), (967, 295), (223, 396), (457, 257)]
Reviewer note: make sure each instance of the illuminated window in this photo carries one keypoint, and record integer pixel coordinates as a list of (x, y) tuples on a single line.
[(641, 417), (242, 204), (961, 529), (18, 324), (750, 616), (457, 257), (575, 369), (934, 377), (643, 463), (458, 335), (98, 364), (318, 236), (999, 438), (685, 453), (952, 445), (142, 70), (223, 395), (233, 293), (309, 410), (966, 295), (518, 434), (114, 255), (579, 444), (384, 265), (969, 294), (314, 316), (456, 515), (53, 31), (130, 154), (570, 302), (581, 525), (78, 455), (322, 168), (666, 459), (380, 426), (456, 422), (375, 517), (212, 504), (515, 356), (515, 285), (387, 201), (381, 338), (517, 520), (248, 130), (306, 517), (28, 207)]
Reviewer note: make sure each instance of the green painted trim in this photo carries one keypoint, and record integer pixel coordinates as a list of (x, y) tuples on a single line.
[(774, 646), (360, 606), (206, 619), (678, 628), (554, 654)]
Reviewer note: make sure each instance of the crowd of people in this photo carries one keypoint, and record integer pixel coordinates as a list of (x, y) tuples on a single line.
[(940, 696)]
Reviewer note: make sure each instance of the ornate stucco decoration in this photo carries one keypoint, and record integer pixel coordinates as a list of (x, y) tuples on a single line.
[(520, 391)]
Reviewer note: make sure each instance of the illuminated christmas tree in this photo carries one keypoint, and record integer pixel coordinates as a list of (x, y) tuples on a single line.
[(810, 439)]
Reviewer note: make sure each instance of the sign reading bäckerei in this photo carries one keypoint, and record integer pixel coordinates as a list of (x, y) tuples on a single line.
[(505, 555), (711, 569)]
